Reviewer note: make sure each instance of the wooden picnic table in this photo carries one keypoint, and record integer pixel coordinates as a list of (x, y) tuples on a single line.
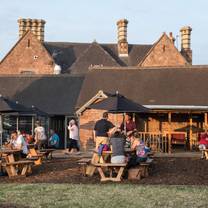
[(111, 167), (106, 155), (104, 162), (12, 166)]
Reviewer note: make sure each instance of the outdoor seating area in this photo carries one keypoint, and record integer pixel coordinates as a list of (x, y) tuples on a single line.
[(114, 171), (95, 113)]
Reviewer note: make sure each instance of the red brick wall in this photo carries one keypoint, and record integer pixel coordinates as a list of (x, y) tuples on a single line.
[(164, 54), (21, 58)]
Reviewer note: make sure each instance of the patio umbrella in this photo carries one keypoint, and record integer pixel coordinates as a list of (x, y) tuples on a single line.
[(119, 104), (8, 106)]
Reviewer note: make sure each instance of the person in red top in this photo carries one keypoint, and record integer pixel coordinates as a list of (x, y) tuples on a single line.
[(130, 124), (203, 143)]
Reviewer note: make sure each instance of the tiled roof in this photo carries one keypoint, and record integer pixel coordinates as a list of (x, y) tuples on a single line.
[(150, 86), (55, 95), (77, 57)]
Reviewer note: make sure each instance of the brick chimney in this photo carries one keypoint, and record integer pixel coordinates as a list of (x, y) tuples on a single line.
[(35, 25), (122, 38), (186, 43)]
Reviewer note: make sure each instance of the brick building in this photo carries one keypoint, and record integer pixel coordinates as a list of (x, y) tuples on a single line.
[(146, 73)]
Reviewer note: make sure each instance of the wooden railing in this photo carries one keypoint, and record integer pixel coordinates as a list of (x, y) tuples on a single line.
[(157, 141), (162, 141)]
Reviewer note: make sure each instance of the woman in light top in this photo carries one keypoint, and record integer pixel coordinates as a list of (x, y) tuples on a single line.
[(18, 142), (73, 136)]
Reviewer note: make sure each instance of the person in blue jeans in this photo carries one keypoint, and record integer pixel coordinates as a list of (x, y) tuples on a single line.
[(53, 140)]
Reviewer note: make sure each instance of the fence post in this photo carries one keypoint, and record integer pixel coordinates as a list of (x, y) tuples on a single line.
[(169, 133)]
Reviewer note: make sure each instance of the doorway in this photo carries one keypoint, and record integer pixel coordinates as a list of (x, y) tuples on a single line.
[(57, 123)]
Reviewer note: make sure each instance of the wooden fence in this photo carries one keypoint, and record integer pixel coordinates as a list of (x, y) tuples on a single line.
[(163, 141)]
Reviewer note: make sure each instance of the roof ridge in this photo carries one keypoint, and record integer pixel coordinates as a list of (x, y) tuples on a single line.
[(188, 67), (15, 45), (85, 52)]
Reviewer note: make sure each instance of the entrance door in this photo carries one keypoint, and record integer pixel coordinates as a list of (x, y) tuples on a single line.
[(57, 124)]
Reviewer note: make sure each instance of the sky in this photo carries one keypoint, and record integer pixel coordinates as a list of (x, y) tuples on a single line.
[(89, 20)]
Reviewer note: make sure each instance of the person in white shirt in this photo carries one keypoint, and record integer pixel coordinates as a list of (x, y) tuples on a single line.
[(19, 143), (73, 136), (40, 136)]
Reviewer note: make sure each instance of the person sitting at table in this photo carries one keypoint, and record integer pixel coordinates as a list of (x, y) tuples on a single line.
[(18, 142), (203, 143), (117, 142), (129, 123), (133, 140), (141, 151), (53, 141)]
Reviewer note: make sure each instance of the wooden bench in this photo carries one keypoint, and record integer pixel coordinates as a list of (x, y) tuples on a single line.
[(205, 154), (111, 167), (48, 153), (144, 167), (17, 168), (35, 156), (84, 162), (134, 173)]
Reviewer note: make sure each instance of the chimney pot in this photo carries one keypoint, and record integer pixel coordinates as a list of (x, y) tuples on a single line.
[(35, 25), (186, 43), (122, 38)]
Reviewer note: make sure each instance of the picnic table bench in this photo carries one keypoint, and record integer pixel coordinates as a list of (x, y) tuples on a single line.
[(141, 170), (111, 167), (144, 167), (205, 153), (84, 162), (18, 168), (37, 156), (48, 153)]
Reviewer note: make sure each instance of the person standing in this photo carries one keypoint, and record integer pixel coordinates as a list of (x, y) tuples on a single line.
[(129, 124), (101, 130), (40, 136), (73, 136)]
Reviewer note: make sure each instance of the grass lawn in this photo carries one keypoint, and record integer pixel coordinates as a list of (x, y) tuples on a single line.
[(103, 195)]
